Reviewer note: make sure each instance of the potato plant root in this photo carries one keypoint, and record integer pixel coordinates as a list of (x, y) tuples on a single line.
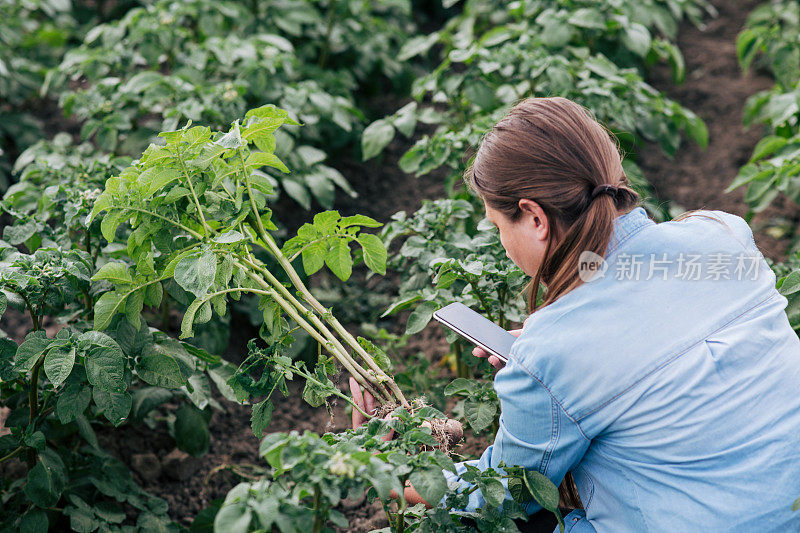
[(447, 431)]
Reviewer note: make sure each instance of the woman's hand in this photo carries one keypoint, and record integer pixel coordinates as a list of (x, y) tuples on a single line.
[(493, 360), (366, 402)]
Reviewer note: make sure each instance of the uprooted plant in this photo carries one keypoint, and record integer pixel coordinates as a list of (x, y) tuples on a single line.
[(197, 210)]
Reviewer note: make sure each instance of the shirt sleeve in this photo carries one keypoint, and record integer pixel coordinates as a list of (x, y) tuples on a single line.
[(535, 432)]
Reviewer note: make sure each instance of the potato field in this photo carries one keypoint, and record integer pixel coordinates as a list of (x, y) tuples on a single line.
[(214, 212)]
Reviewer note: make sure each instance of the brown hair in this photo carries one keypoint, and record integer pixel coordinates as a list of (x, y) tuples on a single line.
[(552, 151)]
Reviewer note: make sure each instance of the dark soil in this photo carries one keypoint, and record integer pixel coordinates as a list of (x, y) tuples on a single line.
[(716, 89)]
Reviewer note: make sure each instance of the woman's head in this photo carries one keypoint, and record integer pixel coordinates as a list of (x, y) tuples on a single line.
[(535, 171)]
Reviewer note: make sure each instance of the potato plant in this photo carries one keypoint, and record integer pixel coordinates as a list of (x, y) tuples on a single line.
[(492, 58), (196, 207), (309, 475), (55, 387), (770, 40), (66, 380), (34, 35), (205, 61)]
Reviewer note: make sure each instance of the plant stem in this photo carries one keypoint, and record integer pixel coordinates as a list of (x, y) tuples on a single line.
[(333, 346), (341, 354), (206, 228), (33, 405), (323, 56), (380, 375), (334, 391), (188, 230), (319, 518), (13, 454), (34, 318)]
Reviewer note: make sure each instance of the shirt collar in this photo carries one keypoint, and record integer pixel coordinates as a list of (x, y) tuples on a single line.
[(626, 225)]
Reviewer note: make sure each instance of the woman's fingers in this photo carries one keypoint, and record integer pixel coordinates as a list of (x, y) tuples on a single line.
[(479, 352), (369, 402), (496, 362), (358, 398)]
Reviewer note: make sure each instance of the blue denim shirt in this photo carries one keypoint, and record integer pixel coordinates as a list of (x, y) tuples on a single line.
[(673, 396)]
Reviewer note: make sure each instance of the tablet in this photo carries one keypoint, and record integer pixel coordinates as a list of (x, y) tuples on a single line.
[(477, 329)]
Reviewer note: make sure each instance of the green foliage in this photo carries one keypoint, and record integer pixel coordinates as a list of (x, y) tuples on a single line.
[(770, 40), (197, 216), (205, 61), (34, 35), (309, 475), (491, 59), (480, 405)]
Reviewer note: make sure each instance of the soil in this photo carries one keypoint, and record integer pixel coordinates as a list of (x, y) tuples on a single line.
[(715, 89)]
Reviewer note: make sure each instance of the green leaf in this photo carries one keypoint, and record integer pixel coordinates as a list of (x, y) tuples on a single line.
[(207, 156), (199, 312), (195, 273), (375, 138), (116, 406), (359, 220), (493, 492), (401, 304), (588, 18), (46, 480), (220, 376), (155, 178), (58, 364), (338, 259), (105, 308), (791, 283), (191, 431), (161, 370), (461, 385), (313, 257), (233, 518), (229, 237), (262, 414), (34, 345), (8, 349), (261, 159), (420, 317), (34, 521), (110, 223), (145, 399), (377, 354), (480, 414), (232, 139), (72, 402), (417, 45), (19, 233), (637, 38), (429, 483), (796, 505), (543, 490), (374, 252), (114, 272), (768, 146), (85, 430), (104, 361)]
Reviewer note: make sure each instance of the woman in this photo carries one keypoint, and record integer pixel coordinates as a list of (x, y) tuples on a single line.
[(660, 370)]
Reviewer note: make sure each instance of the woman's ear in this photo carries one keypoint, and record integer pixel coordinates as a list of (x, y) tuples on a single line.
[(533, 213)]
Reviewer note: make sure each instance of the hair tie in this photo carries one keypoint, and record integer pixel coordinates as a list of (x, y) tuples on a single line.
[(604, 188)]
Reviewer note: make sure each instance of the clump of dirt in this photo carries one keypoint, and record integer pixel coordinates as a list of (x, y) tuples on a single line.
[(447, 432)]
